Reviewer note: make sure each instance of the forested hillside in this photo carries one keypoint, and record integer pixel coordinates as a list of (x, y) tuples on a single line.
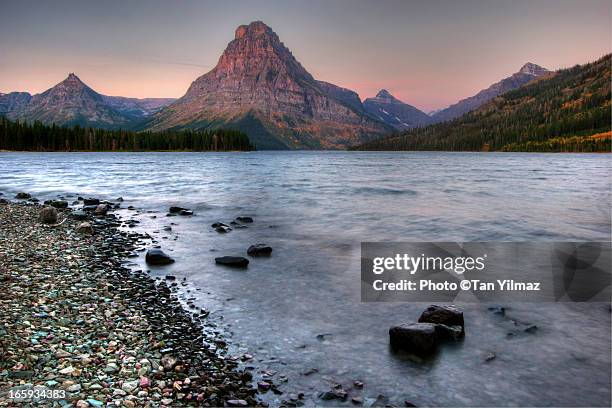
[(40, 138), (559, 113)]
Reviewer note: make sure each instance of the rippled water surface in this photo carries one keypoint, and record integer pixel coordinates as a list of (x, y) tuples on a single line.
[(300, 309)]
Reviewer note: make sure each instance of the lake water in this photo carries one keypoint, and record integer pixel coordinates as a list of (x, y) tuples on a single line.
[(300, 309)]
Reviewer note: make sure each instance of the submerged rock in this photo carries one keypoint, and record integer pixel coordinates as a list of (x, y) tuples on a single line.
[(221, 227), (259, 250), (334, 394), (416, 338), (176, 210), (156, 256), (235, 261), (48, 215), (245, 220)]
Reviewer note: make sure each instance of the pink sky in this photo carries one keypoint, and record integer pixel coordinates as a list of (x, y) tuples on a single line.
[(429, 55)]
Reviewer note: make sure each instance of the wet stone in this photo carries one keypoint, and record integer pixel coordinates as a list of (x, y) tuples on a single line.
[(259, 250), (233, 261), (156, 256)]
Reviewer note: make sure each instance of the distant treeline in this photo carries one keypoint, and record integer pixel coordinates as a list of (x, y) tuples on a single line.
[(37, 137), (549, 115), (601, 142)]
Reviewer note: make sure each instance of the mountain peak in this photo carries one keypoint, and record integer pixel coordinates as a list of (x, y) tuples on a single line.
[(72, 80), (383, 93), (259, 86), (394, 112), (533, 69), (253, 30)]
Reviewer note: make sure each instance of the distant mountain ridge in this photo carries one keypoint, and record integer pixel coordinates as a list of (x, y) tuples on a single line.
[(526, 74), (259, 87), (566, 110), (394, 112), (13, 101), (71, 102)]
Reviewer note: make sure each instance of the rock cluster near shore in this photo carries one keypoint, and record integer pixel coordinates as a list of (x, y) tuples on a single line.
[(72, 317), (436, 324)]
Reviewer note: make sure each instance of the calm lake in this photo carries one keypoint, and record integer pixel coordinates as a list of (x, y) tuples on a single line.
[(300, 309)]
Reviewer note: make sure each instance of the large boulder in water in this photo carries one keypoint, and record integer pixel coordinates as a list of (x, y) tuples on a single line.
[(235, 261), (48, 215), (446, 315), (156, 256), (417, 338), (22, 196)]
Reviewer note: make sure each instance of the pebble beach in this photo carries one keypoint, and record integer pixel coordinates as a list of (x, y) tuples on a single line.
[(78, 324)]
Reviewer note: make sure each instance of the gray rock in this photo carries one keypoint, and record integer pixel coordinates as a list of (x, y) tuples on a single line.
[(237, 403), (234, 261), (91, 201), (156, 256), (168, 362), (221, 227), (57, 203), (74, 388), (334, 394), (129, 386), (416, 338), (101, 209), (85, 228), (176, 210), (259, 250), (48, 215)]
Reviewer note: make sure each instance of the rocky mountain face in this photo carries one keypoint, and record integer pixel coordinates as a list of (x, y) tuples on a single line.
[(71, 102), (259, 87), (527, 73), (13, 101), (394, 112)]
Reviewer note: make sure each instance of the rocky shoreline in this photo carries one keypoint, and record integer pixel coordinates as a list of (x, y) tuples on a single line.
[(76, 320)]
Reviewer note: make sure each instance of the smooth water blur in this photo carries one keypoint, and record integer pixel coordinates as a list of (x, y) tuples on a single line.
[(300, 309)]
